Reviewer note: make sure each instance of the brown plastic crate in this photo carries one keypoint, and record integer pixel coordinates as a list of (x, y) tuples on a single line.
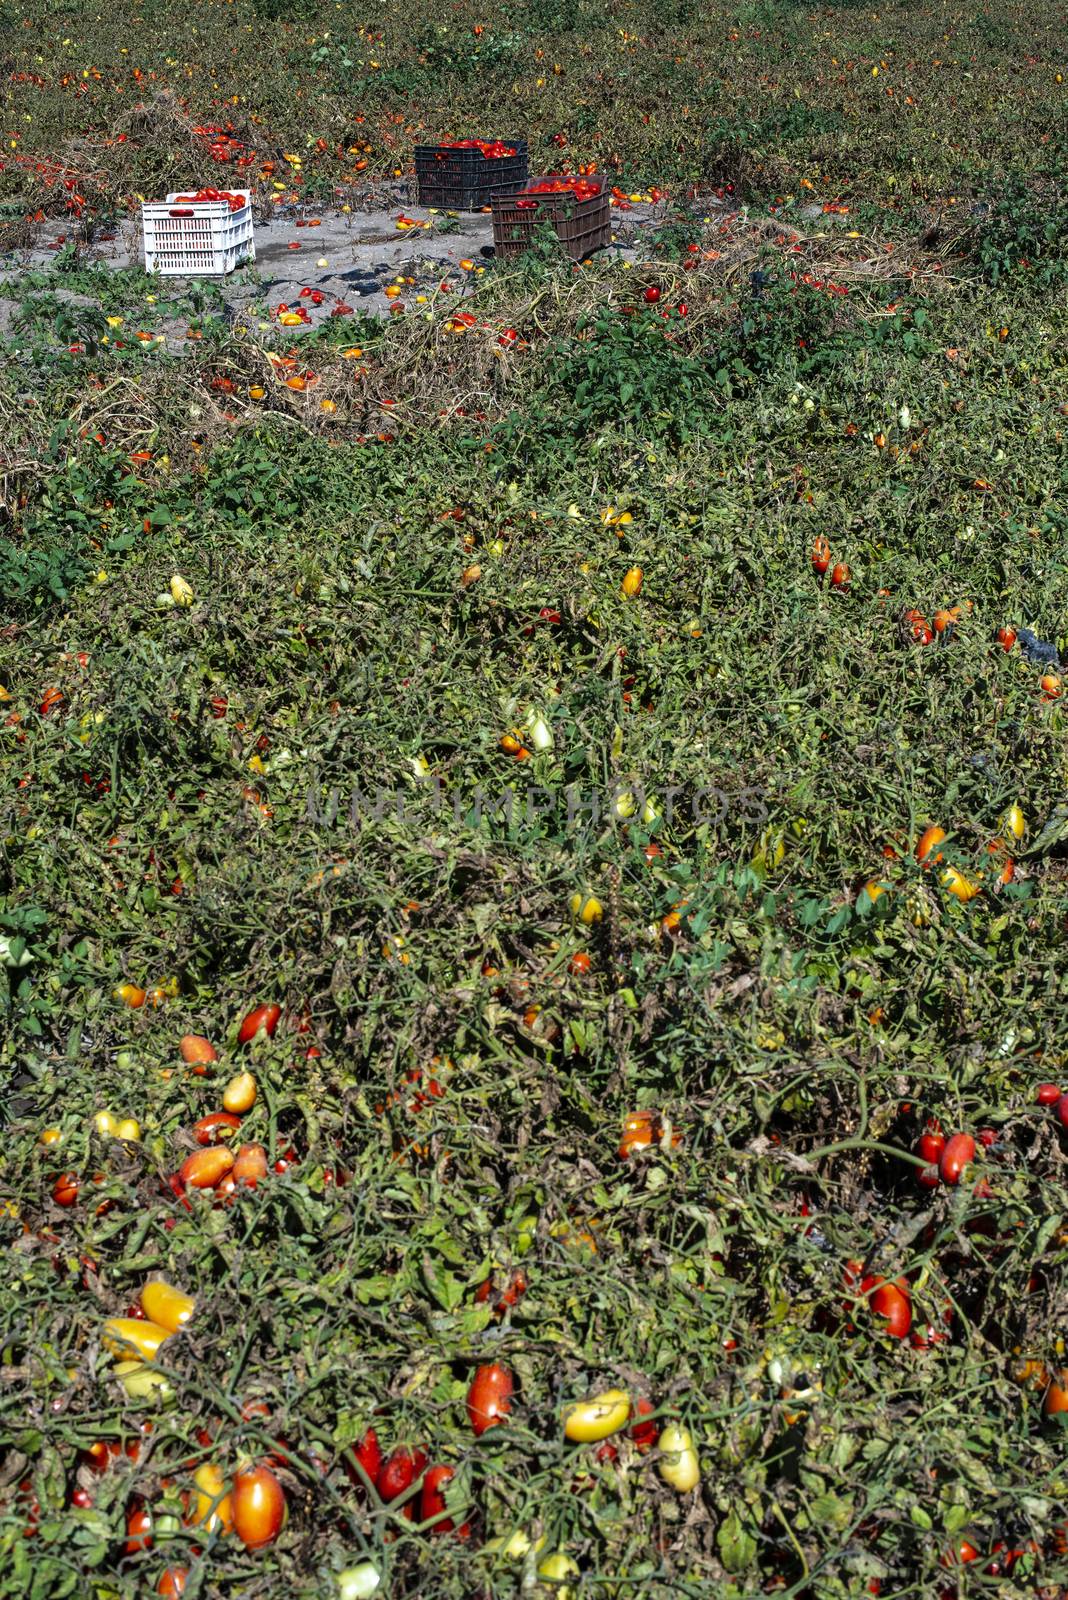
[(466, 180), (582, 226)]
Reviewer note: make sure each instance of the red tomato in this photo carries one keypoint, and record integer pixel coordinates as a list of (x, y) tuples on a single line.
[(65, 1189), (959, 1151), (580, 963), (209, 1128), (840, 576), (959, 1554), (1006, 638), (987, 1137), (891, 1300), (643, 1434), (172, 1582), (138, 1528), (932, 1143), (928, 1176), (821, 554), (489, 1399), (260, 1017), (81, 1498), (652, 295), (399, 1471), (259, 1507), (1047, 1094), (368, 1453), (432, 1500)]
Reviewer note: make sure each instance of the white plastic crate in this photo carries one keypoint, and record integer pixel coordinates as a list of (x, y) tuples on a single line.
[(197, 238)]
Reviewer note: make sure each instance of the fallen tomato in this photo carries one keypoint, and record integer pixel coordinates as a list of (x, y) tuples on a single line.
[(167, 1306), (134, 1336)]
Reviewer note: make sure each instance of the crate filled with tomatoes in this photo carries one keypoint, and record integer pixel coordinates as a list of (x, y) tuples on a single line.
[(578, 209), (207, 234), (468, 174)]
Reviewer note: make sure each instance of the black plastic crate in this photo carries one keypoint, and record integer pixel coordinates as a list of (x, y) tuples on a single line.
[(581, 226), (467, 180)]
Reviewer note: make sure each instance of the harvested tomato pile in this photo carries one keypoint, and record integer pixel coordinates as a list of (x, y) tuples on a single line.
[(235, 201), (492, 149), (584, 188)]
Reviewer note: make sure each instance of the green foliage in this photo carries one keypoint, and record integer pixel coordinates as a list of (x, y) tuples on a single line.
[(1026, 232)]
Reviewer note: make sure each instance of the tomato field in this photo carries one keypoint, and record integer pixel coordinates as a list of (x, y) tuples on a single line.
[(534, 828)]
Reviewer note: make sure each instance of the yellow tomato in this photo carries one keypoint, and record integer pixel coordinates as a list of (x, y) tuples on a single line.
[(959, 885), (516, 1546), (167, 1306), (51, 1135), (555, 1569), (632, 582), (213, 1507), (1014, 822), (586, 1421), (128, 1128), (873, 890), (240, 1093), (132, 1336), (587, 908), (679, 1466), (141, 1383), (105, 1124)]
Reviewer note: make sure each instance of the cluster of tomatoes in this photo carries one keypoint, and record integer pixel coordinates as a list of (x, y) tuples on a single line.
[(953, 880), (821, 560), (945, 619), (949, 1160), (223, 147), (214, 1166), (397, 1477), (492, 149), (581, 188), (236, 202)]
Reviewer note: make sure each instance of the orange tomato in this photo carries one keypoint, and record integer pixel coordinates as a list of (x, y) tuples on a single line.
[(1055, 1399), (259, 1507), (821, 554), (196, 1050), (130, 995), (929, 838), (250, 1168), (172, 1582), (840, 576), (204, 1168)]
